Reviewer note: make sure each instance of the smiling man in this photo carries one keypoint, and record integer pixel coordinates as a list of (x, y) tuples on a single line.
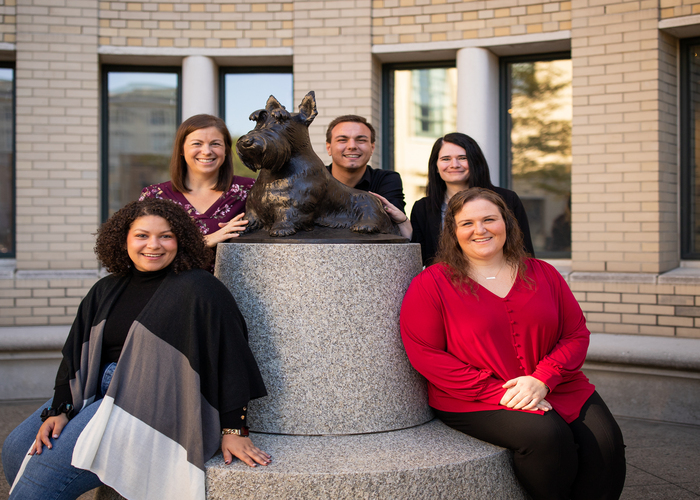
[(350, 144)]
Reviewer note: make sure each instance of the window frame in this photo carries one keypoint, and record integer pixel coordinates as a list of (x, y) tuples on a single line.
[(686, 154), (13, 167), (106, 69), (505, 121), (233, 70), (388, 102)]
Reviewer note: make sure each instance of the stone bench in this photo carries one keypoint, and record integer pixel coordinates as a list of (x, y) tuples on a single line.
[(654, 378)]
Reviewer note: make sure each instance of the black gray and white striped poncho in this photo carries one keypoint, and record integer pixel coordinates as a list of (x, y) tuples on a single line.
[(185, 360)]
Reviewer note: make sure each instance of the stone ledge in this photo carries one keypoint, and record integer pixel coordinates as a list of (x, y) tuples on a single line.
[(684, 275), (33, 338), (614, 277), (654, 352), (680, 276)]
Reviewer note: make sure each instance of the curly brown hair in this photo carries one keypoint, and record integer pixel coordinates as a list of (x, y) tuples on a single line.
[(178, 166), (192, 252), (450, 252)]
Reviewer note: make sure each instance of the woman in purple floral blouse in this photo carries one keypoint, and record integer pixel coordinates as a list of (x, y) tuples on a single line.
[(201, 169)]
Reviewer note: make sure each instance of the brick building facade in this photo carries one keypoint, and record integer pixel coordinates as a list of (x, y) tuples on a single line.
[(625, 267)]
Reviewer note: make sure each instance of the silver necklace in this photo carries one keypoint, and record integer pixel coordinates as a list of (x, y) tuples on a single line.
[(491, 277)]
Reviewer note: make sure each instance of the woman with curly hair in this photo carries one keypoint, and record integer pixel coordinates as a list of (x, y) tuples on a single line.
[(202, 180), (156, 369), (501, 340)]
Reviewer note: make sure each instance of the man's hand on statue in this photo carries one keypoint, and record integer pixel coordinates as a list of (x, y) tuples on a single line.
[(230, 229), (243, 449), (526, 393), (396, 215)]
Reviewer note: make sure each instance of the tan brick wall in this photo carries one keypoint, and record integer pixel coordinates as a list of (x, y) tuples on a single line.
[(32, 302), (57, 133), (409, 21), (209, 24), (8, 18), (676, 8), (623, 174), (332, 56), (640, 309)]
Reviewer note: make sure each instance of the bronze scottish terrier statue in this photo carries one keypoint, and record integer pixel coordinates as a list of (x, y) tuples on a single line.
[(294, 190)]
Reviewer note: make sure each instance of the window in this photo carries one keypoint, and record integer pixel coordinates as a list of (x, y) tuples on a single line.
[(690, 152), (247, 90), (7, 162), (141, 113), (420, 106), (536, 158)]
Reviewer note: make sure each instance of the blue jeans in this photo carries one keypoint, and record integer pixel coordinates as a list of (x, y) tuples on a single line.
[(50, 476)]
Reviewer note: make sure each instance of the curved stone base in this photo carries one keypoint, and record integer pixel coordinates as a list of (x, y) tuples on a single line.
[(429, 462)]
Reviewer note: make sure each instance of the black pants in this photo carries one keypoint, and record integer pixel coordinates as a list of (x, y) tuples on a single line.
[(583, 460)]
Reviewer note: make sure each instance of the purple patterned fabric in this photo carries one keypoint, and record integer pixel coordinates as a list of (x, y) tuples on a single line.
[(230, 204)]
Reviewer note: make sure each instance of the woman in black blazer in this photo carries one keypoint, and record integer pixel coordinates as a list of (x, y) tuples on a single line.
[(456, 163)]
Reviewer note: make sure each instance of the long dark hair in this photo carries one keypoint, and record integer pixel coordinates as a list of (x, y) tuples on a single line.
[(478, 168), (450, 252), (178, 165), (111, 250)]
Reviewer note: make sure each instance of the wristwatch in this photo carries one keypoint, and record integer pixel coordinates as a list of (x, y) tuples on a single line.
[(243, 432)]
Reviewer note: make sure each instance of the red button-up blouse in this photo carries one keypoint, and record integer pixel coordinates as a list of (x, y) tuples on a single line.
[(468, 346)]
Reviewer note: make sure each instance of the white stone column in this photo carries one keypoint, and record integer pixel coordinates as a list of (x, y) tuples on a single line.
[(477, 102), (199, 86)]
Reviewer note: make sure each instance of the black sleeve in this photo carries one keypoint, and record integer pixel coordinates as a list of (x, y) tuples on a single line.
[(234, 419), (391, 188), (423, 230), (519, 211), (417, 222), (61, 391)]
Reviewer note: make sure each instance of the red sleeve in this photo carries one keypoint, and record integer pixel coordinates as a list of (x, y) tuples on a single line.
[(568, 354), (424, 335)]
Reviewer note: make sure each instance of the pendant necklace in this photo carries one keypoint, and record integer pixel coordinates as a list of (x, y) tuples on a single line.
[(491, 277)]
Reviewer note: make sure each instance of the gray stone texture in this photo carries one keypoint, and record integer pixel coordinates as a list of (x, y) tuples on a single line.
[(430, 461), (323, 322)]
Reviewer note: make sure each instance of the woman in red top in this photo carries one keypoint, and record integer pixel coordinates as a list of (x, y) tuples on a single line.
[(501, 340)]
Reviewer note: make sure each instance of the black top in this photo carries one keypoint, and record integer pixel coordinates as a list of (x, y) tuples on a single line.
[(427, 223), (128, 306), (386, 183)]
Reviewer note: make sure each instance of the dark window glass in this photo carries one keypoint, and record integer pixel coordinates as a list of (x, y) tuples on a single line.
[(245, 91), (537, 157), (690, 152), (7, 163), (142, 115), (423, 107)]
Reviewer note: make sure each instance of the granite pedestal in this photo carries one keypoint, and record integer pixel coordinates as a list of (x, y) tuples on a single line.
[(346, 415)]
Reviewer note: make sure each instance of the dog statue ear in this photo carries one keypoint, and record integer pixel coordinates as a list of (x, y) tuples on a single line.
[(307, 108), (272, 104)]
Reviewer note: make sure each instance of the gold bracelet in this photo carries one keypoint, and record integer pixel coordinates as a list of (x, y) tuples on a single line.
[(243, 432)]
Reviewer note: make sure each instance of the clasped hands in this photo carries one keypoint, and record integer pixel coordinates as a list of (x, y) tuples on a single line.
[(526, 393)]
